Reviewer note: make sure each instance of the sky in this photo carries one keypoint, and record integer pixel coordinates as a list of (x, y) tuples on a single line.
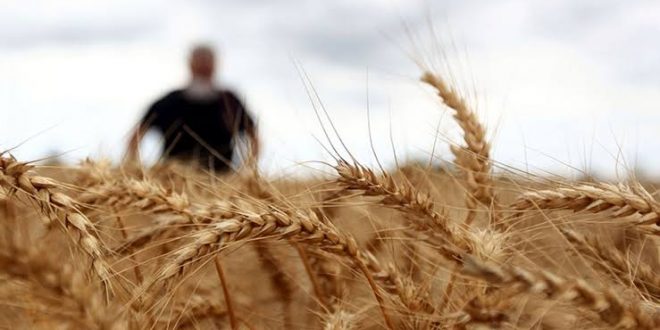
[(563, 86)]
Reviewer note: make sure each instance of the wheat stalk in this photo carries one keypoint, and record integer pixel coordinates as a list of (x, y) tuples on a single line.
[(278, 279)]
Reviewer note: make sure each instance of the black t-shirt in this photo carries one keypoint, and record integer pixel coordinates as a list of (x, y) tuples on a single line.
[(200, 130)]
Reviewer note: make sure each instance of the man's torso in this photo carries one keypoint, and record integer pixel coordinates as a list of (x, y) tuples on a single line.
[(197, 128)]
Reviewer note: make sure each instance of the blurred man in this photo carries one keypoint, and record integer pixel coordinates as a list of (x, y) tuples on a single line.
[(201, 122)]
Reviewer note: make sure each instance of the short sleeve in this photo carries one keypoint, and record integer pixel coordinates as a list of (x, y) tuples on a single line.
[(155, 117), (243, 121)]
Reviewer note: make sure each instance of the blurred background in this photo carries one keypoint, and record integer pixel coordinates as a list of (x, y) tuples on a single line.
[(563, 86)]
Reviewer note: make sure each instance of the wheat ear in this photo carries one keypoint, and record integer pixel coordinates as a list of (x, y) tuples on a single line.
[(641, 275), (340, 320), (413, 298), (474, 157), (275, 224), (404, 197), (56, 206), (62, 281), (606, 304), (595, 198)]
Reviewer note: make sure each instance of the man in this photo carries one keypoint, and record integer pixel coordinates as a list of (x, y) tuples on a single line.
[(200, 122)]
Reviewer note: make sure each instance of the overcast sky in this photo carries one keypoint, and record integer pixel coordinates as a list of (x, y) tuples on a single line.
[(560, 84)]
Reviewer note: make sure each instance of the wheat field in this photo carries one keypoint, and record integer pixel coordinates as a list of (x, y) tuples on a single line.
[(99, 246)]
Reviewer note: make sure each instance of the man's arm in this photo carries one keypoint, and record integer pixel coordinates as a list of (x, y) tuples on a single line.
[(152, 118), (255, 144), (133, 147), (247, 126)]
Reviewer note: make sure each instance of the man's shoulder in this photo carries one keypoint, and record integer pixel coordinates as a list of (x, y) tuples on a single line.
[(173, 95), (168, 99), (228, 93)]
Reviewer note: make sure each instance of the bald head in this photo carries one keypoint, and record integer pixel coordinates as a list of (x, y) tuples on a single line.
[(202, 62)]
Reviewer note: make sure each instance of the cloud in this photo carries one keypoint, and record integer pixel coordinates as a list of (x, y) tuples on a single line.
[(553, 68), (75, 23), (621, 35), (338, 32)]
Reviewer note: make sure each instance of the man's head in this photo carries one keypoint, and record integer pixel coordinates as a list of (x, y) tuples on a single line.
[(202, 62)]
